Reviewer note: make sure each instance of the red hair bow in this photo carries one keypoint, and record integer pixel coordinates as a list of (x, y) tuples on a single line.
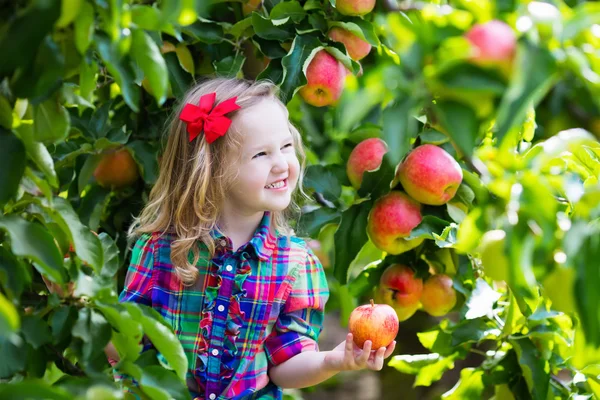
[(204, 117)]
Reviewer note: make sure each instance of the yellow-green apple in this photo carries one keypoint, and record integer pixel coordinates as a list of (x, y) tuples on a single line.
[(325, 77), (438, 297), (493, 256), (375, 322), (391, 220), (116, 169), (400, 289), (430, 175), (366, 156), (492, 43), (355, 7), (357, 47)]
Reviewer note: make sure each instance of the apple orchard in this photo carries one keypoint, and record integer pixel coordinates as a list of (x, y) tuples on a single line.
[(453, 164)]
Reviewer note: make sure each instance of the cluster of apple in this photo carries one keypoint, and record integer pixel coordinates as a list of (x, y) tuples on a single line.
[(492, 43), (429, 175), (325, 74)]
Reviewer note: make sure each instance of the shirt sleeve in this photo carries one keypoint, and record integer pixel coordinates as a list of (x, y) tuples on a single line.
[(301, 320), (139, 279)]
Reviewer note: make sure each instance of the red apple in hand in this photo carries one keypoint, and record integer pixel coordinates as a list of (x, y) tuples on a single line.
[(438, 297), (401, 289), (391, 220), (366, 156), (375, 322), (430, 175)]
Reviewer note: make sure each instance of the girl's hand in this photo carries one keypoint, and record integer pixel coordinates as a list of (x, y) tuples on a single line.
[(347, 356)]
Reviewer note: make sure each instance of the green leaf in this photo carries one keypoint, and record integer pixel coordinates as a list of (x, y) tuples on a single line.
[(399, 128), (161, 383), (469, 78), (288, 9), (14, 275), (377, 183), (534, 74), (21, 41), (473, 330), (437, 339), (273, 72), (33, 389), (429, 226), (161, 336), (433, 137), (9, 317), (469, 387), (62, 320), (92, 328), (349, 238), (179, 79), (147, 55), (429, 368), (33, 241), (120, 69), (207, 32), (230, 66), (310, 223), (240, 27), (145, 155), (111, 256), (36, 331), (84, 27), (323, 179), (12, 165), (533, 366), (51, 121), (92, 206), (127, 333), (304, 47), (460, 122), (266, 29)]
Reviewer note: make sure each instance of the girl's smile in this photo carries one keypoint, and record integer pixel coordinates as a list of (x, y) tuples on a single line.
[(278, 186)]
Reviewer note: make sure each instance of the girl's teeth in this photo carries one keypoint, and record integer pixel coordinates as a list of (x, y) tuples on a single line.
[(276, 185)]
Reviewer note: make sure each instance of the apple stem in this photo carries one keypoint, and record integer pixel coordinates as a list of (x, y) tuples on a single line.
[(372, 303)]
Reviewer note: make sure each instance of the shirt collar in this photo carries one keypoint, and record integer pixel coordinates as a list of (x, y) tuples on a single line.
[(262, 242)]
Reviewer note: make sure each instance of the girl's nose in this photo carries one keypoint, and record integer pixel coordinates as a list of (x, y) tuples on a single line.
[(280, 164)]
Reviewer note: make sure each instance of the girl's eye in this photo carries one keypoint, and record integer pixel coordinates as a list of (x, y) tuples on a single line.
[(262, 153), (288, 145)]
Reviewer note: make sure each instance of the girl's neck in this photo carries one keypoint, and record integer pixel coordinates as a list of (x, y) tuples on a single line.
[(239, 228)]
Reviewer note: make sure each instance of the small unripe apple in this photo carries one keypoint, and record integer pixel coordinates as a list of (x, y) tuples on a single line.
[(357, 47), (355, 7), (438, 296), (375, 322)]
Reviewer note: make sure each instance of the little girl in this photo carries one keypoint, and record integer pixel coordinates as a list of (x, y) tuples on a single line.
[(215, 255)]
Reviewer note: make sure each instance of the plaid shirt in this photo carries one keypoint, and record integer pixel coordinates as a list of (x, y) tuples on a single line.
[(248, 310)]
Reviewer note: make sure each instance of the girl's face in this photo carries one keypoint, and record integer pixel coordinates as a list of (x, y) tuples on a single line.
[(268, 169)]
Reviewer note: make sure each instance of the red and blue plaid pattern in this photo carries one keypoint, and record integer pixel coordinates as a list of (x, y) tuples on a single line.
[(247, 311)]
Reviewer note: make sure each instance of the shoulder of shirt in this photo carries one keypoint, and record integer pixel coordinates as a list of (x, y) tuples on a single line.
[(296, 248)]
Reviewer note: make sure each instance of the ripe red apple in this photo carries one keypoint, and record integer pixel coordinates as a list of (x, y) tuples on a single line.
[(438, 297), (430, 175), (391, 220), (355, 7), (357, 47), (326, 77), (400, 289), (116, 169), (493, 42), (375, 322), (366, 156)]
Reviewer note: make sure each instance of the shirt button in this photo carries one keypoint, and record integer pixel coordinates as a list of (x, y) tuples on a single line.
[(229, 268), (215, 352), (212, 396), (220, 308)]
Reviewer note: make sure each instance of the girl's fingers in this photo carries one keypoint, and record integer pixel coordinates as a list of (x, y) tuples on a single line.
[(378, 363), (349, 343), (364, 357), (390, 349)]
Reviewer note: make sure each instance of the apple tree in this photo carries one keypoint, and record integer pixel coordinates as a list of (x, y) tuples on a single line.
[(453, 169)]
